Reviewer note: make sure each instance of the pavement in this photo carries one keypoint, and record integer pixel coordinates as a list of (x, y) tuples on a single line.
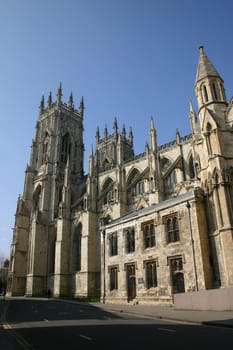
[(165, 312), (168, 312)]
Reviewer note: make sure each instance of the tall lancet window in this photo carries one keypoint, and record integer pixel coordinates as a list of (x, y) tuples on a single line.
[(65, 148), (205, 93), (45, 148), (208, 134), (191, 168), (76, 248)]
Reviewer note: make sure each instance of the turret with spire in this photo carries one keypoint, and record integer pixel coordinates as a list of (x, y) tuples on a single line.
[(209, 86)]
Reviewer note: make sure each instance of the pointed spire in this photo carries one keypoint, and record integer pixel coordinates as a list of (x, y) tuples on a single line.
[(131, 137), (205, 67), (152, 123), (50, 99), (115, 127), (81, 107), (177, 137), (193, 118), (97, 135), (42, 104), (123, 133), (71, 102), (82, 103), (105, 132), (91, 162), (191, 109), (153, 137), (59, 94)]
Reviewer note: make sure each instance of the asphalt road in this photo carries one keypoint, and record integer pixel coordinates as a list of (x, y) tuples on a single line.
[(48, 324)]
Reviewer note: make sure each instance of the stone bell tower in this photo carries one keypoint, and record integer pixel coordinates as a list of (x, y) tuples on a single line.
[(52, 182)]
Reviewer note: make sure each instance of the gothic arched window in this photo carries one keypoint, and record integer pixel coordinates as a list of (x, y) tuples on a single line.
[(108, 191), (76, 248), (191, 168), (45, 147), (205, 93), (172, 229), (130, 241), (65, 148), (149, 235)]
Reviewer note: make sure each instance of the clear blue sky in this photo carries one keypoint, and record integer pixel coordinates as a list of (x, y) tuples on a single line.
[(132, 59)]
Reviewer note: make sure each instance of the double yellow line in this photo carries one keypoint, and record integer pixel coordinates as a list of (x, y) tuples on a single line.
[(5, 325)]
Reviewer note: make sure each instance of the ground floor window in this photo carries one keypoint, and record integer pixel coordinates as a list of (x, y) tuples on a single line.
[(151, 274)]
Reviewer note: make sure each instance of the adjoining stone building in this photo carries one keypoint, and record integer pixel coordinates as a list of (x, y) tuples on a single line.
[(136, 227)]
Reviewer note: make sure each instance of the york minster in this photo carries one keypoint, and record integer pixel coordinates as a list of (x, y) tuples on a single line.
[(136, 227)]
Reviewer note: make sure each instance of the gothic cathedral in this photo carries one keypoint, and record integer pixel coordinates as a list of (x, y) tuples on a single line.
[(135, 227)]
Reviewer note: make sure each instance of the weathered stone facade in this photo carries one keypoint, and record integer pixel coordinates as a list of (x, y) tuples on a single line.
[(136, 227)]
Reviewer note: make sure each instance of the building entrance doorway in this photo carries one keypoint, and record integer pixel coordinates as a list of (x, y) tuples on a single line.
[(177, 275), (131, 282)]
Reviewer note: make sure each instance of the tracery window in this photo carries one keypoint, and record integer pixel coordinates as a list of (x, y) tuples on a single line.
[(130, 240), (113, 248), (172, 229), (149, 235), (151, 274), (65, 148)]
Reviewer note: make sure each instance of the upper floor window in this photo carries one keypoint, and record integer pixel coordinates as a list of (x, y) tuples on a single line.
[(130, 240), (172, 229), (149, 235), (113, 244)]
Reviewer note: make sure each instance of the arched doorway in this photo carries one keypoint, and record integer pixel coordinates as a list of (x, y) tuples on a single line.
[(178, 283), (131, 282)]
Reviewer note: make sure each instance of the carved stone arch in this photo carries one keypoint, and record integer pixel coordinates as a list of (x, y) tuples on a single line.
[(165, 164), (133, 176), (107, 191), (108, 182), (191, 165)]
